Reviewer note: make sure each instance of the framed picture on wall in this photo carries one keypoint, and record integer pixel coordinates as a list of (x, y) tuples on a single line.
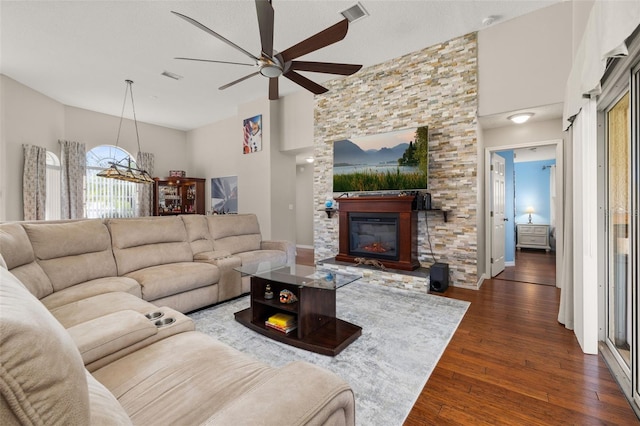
[(252, 134), (224, 195)]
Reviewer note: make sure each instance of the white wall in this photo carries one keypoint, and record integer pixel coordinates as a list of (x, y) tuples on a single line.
[(296, 121), (27, 117), (525, 62), (304, 205), (93, 128), (266, 179)]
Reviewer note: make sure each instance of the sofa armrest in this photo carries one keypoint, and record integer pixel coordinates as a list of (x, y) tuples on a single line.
[(300, 394), (285, 246), (103, 336), (209, 256)]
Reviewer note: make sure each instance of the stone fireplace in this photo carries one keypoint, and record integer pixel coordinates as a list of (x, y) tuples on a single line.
[(381, 228), (436, 87)]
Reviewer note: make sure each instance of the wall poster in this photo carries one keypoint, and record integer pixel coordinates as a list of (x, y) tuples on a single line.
[(252, 129), (224, 195)]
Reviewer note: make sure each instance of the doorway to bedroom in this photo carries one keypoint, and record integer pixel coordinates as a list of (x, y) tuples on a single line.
[(522, 213)]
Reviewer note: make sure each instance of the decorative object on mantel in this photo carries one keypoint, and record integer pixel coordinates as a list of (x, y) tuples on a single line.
[(126, 169), (371, 262)]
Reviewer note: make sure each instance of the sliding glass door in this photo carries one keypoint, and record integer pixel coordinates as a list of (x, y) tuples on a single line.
[(635, 228), (621, 223), (617, 222)]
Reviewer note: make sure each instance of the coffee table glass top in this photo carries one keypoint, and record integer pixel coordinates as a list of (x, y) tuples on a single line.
[(304, 276)]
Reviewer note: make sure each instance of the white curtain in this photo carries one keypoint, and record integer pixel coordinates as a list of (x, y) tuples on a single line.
[(145, 161), (73, 163), (34, 182), (609, 25)]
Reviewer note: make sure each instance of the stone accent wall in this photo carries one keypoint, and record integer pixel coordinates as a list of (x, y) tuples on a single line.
[(436, 87)]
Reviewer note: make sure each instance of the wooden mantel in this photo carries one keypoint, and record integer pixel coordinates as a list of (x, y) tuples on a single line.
[(407, 227)]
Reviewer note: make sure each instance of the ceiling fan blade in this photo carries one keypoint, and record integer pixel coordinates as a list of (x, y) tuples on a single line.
[(273, 89), (322, 39), (325, 67), (217, 62), (226, 86), (215, 34), (305, 82), (265, 23)]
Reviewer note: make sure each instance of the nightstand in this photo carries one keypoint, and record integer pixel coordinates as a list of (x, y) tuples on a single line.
[(533, 236)]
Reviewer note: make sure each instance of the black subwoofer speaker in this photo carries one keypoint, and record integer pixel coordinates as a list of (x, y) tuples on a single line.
[(439, 277)]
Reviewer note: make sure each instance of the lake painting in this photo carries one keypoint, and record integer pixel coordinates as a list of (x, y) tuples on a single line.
[(391, 161)]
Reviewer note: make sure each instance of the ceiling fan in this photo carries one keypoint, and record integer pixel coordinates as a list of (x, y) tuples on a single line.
[(273, 64)]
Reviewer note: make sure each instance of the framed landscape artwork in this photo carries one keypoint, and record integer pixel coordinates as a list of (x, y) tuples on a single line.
[(224, 195)]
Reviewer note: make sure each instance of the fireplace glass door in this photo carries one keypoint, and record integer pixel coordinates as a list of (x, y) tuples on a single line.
[(373, 235)]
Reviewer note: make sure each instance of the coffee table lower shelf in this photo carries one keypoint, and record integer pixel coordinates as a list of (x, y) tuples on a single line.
[(329, 339)]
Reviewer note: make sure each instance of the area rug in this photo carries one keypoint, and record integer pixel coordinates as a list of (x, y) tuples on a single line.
[(404, 334)]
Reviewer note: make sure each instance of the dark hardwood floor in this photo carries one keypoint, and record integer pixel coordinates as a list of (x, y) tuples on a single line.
[(511, 363), (532, 266)]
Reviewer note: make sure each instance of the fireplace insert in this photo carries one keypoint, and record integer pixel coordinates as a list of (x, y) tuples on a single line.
[(374, 235)]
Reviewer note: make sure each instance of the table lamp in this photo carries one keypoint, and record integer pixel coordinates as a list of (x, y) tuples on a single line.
[(530, 210)]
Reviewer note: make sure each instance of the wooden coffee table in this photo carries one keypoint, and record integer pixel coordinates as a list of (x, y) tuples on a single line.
[(318, 330)]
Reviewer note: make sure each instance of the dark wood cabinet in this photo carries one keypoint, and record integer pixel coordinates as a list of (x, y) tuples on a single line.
[(178, 195)]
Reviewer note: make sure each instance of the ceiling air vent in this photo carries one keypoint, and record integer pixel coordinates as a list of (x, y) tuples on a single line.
[(354, 13)]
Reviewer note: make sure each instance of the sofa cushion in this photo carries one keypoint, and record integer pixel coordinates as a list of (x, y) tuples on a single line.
[(257, 256), (92, 288), (111, 333), (42, 376), (173, 278), (235, 233), (99, 305), (20, 260), (105, 408), (72, 252), (197, 233), (141, 243), (153, 382)]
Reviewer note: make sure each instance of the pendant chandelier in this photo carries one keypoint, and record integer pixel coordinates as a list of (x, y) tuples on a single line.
[(126, 169)]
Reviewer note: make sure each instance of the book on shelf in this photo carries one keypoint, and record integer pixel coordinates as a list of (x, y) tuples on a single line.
[(284, 329), (282, 319)]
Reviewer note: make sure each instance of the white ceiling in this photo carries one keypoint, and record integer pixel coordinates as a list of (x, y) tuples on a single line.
[(80, 52)]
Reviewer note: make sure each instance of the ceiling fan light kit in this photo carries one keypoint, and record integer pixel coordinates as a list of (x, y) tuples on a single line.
[(272, 64)]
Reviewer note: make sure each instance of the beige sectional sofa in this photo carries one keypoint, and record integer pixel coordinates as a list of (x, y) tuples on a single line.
[(78, 346)]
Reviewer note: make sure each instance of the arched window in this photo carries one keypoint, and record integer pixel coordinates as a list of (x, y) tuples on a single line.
[(108, 197), (52, 203)]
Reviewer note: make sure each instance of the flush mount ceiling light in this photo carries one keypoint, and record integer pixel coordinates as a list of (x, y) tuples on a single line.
[(489, 20), (520, 117), (309, 159), (126, 169)]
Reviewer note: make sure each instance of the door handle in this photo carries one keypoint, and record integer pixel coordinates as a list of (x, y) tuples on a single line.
[(506, 219)]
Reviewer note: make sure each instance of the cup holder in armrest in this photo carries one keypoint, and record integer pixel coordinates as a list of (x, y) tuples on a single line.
[(164, 322), (154, 315)]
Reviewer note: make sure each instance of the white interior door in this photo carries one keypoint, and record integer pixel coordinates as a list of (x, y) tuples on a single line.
[(497, 214)]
